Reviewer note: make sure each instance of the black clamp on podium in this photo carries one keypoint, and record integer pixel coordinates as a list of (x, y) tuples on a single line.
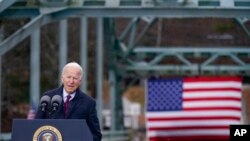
[(50, 130)]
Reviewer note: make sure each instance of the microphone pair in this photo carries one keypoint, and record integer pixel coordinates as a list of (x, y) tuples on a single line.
[(48, 104)]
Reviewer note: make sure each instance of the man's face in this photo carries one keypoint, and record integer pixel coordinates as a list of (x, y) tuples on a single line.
[(71, 79)]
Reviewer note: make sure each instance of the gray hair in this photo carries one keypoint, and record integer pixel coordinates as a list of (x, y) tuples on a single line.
[(75, 65)]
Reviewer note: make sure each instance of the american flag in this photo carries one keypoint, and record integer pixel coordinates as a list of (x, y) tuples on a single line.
[(32, 111), (192, 109)]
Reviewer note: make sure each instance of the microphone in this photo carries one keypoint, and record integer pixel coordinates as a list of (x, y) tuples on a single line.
[(56, 102), (44, 102)]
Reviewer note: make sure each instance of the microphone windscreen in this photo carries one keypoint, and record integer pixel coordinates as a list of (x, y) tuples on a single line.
[(46, 99), (57, 99)]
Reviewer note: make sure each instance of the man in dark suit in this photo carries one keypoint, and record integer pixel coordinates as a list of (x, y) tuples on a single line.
[(81, 106)]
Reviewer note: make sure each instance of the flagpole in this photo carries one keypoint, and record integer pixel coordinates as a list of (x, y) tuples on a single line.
[(146, 103), (0, 96), (1, 38)]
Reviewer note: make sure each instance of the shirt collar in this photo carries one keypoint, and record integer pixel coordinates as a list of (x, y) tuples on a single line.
[(65, 94)]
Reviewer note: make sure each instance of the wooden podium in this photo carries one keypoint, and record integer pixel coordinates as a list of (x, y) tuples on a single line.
[(50, 130)]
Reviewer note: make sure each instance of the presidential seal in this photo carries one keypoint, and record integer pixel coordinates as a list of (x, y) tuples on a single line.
[(47, 133)]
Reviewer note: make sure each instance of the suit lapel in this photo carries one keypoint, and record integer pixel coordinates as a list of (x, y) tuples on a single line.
[(61, 110), (73, 103)]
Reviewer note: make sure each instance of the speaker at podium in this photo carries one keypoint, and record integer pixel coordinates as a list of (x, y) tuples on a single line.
[(50, 130)]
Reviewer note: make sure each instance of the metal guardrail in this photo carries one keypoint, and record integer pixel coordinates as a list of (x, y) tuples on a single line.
[(5, 136), (120, 3), (107, 136), (123, 135)]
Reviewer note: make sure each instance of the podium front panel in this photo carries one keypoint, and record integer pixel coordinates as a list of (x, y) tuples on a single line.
[(50, 130)]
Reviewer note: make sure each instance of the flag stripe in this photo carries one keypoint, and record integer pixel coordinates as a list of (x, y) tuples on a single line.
[(213, 98), (213, 79), (190, 132), (194, 113), (192, 118), (213, 85), (191, 138), (221, 89), (213, 108), (215, 94), (184, 123), (189, 127), (214, 103)]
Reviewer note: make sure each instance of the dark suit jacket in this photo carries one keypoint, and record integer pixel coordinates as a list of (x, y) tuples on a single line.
[(82, 106)]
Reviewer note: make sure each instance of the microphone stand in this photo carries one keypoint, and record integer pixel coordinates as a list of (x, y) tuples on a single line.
[(45, 110), (54, 108), (49, 112)]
